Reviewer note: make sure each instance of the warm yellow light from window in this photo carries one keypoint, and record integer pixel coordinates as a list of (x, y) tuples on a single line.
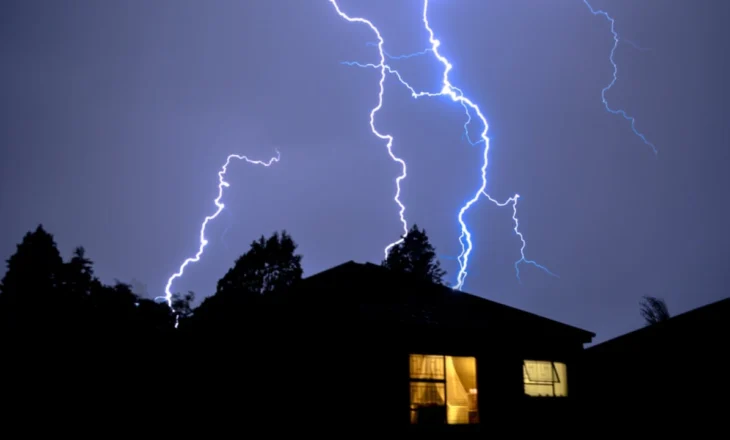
[(544, 378), (443, 389), (427, 367)]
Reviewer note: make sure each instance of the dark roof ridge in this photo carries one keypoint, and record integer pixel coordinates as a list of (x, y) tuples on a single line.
[(663, 324), (476, 298)]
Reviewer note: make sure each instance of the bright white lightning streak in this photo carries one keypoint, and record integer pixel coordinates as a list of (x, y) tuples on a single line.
[(513, 200), (456, 95), (203, 241), (386, 137)]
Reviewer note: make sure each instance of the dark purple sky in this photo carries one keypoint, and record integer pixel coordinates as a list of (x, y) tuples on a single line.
[(116, 116)]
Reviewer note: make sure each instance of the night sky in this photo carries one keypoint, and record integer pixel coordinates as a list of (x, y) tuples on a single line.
[(115, 118)]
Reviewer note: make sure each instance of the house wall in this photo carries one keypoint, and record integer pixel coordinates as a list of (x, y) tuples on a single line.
[(674, 371), (502, 402)]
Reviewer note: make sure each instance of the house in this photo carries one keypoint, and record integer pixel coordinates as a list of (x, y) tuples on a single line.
[(360, 346), (674, 367)]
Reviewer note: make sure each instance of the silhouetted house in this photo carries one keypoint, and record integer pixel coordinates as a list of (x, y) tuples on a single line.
[(675, 366), (362, 347)]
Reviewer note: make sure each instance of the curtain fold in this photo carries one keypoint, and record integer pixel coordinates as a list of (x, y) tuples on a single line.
[(457, 397), (451, 393)]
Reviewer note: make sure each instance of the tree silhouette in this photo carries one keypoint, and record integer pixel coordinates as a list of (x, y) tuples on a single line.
[(269, 265), (416, 255), (182, 304), (654, 310), (78, 275), (34, 269), (43, 294), (30, 291)]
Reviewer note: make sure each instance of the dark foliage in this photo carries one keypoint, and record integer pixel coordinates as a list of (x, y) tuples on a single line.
[(42, 294), (182, 304), (271, 264), (654, 310), (416, 255)]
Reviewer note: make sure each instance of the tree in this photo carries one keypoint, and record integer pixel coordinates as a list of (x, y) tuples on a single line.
[(416, 255), (62, 301), (269, 265), (29, 291), (78, 275), (182, 304), (42, 292), (654, 310), (34, 270)]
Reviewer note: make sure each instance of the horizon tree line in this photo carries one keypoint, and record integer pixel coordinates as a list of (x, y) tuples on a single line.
[(42, 290)]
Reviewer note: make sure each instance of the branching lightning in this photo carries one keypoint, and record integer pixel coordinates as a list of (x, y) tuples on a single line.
[(522, 259), (447, 90), (386, 137), (202, 240), (616, 40), (456, 95), (400, 57)]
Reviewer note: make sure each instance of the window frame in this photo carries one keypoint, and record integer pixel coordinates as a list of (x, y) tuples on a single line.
[(551, 383), (443, 380)]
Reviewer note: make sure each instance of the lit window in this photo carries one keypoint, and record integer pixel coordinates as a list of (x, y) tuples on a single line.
[(443, 389), (544, 378)]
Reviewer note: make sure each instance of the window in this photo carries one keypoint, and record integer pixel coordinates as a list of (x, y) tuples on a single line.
[(544, 378), (443, 389)]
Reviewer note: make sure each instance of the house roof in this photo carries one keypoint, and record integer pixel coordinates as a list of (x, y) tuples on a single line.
[(704, 318), (383, 295)]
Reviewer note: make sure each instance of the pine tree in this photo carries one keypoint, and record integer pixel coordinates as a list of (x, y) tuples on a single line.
[(35, 270), (269, 265), (416, 255)]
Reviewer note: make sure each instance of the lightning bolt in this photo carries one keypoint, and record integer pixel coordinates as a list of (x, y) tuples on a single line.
[(400, 57), (386, 137), (465, 135), (523, 259), (202, 240), (456, 95), (620, 112)]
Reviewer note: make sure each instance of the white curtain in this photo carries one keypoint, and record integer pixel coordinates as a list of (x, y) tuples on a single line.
[(454, 395), (457, 405), (427, 367)]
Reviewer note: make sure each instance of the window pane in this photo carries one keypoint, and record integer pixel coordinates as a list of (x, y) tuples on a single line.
[(543, 378), (445, 389), (461, 390), (427, 367), (427, 402), (561, 376)]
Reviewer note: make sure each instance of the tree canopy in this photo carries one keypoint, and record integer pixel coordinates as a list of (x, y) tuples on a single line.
[(654, 310), (42, 292), (415, 255), (34, 269), (269, 265)]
